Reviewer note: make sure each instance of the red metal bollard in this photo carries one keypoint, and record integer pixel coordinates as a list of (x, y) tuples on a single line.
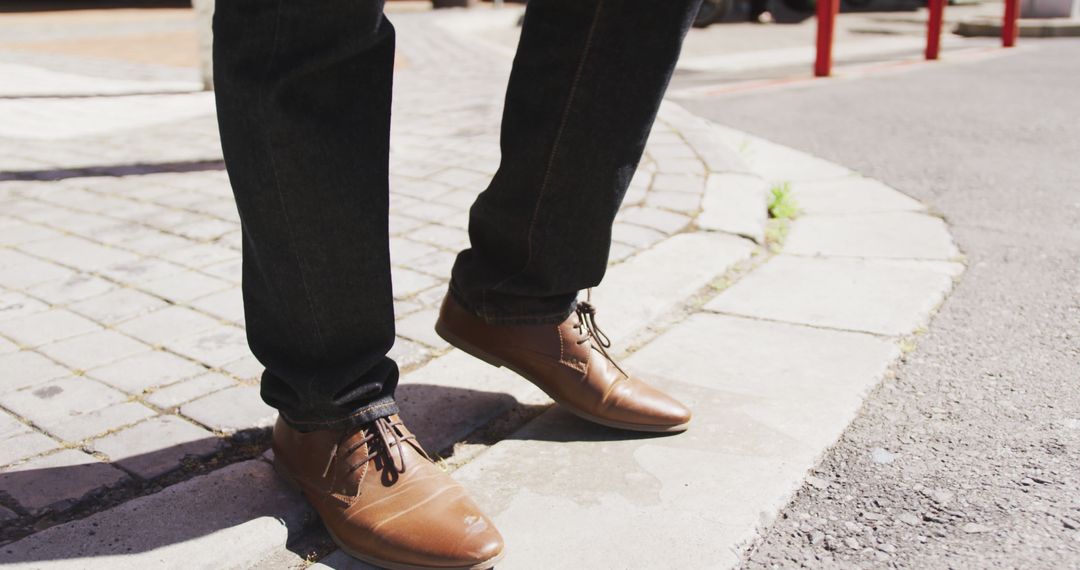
[(826, 21), (933, 28), (1008, 28)]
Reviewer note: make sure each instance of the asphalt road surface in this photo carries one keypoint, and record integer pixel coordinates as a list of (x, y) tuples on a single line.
[(970, 456)]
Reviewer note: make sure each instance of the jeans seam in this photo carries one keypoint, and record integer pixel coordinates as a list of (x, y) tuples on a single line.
[(544, 184), (277, 180)]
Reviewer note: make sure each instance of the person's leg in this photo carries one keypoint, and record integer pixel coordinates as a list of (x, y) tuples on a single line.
[(587, 81), (586, 84), (303, 94)]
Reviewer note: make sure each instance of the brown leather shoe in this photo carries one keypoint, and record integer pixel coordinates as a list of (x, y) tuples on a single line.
[(570, 362), (383, 500)]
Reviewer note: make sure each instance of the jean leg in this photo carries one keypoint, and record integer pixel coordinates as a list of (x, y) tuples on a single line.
[(303, 93), (587, 81)]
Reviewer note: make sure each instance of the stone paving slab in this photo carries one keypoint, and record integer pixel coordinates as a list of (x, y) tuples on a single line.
[(899, 235), (852, 294), (220, 520)]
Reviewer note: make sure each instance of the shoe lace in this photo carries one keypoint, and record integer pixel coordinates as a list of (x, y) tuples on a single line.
[(381, 438), (590, 331)]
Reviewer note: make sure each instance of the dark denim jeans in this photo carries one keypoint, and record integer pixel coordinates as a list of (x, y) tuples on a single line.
[(303, 96)]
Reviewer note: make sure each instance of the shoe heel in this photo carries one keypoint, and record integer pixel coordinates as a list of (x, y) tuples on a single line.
[(463, 346), (285, 477)]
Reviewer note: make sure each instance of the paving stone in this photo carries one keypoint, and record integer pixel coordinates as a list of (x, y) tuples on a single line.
[(197, 256), (441, 236), (45, 327), (804, 395), (420, 327), (655, 281), (157, 446), (226, 519), (666, 222), (231, 271), (214, 348), (408, 282), (185, 286), (904, 235), (56, 480), (454, 394), (93, 349), (407, 353), (851, 195), (168, 323), (737, 204), (57, 406), (146, 370), (7, 347), (18, 441), (14, 304), (186, 390), (31, 272), (25, 368), (688, 183), (682, 202), (876, 296), (7, 514), (117, 305), (75, 287), (77, 252), (246, 368), (227, 305), (231, 410), (437, 264), (778, 163), (20, 232), (403, 251), (430, 211), (141, 270), (401, 225), (637, 236), (338, 560)]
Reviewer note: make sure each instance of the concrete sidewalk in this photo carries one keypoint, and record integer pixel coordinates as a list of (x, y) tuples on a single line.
[(129, 390)]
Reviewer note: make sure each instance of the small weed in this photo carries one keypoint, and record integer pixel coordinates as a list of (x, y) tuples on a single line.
[(782, 205)]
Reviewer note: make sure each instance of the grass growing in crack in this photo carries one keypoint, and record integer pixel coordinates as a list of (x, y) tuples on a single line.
[(782, 209)]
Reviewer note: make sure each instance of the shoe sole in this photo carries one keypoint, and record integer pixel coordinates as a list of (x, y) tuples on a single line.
[(477, 352), (388, 565)]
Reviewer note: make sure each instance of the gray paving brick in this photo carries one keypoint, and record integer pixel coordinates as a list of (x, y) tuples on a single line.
[(57, 401), (442, 237), (408, 282), (95, 423), (25, 368), (694, 184), (93, 349), (215, 347), (430, 211), (246, 368), (420, 327), (227, 305), (401, 225), (117, 305), (18, 441), (71, 289), (168, 323), (682, 202), (902, 235), (25, 232), (403, 250), (637, 236), (231, 271), (667, 222), (200, 255), (407, 353), (6, 346), (185, 286), (57, 479), (45, 327), (157, 446), (77, 252), (186, 390), (13, 304), (30, 272), (231, 410), (146, 370), (141, 270)]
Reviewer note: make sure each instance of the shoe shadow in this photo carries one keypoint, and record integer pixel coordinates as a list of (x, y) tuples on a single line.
[(90, 512)]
